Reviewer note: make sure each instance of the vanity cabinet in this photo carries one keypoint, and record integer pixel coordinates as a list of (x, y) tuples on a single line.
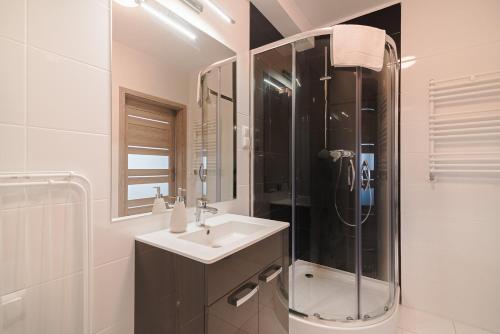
[(246, 292)]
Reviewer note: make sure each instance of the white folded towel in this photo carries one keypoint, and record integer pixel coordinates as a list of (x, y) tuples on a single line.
[(357, 45)]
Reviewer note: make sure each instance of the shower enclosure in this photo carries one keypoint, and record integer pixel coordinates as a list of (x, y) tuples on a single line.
[(325, 159)]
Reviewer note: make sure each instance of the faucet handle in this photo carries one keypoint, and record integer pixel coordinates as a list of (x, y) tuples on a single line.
[(202, 202)]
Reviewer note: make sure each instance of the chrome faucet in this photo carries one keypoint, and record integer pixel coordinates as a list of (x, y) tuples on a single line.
[(201, 208)]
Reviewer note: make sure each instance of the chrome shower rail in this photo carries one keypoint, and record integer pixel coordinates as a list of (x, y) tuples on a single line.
[(464, 125), (82, 184)]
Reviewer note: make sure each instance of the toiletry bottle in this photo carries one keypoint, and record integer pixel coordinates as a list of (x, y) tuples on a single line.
[(159, 204), (178, 220)]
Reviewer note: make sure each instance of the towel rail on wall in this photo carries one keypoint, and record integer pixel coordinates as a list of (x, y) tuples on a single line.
[(464, 126), (82, 184)]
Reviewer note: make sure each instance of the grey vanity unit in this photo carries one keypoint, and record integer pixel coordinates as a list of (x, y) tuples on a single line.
[(246, 292)]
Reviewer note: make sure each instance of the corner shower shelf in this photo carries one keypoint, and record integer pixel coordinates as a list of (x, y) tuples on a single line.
[(464, 126)]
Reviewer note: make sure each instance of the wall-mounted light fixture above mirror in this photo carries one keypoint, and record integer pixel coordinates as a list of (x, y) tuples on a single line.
[(159, 62)]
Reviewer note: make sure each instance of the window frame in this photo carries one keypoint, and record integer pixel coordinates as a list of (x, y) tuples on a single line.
[(180, 154)]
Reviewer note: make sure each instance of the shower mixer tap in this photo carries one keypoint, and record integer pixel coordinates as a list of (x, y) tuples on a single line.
[(338, 154)]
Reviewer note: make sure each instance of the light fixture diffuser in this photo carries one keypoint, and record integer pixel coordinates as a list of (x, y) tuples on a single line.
[(194, 5), (167, 17), (272, 84), (127, 3), (216, 8)]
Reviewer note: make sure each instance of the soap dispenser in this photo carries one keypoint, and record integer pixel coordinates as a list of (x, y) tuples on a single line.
[(178, 220), (159, 204)]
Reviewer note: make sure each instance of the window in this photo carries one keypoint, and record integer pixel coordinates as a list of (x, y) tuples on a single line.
[(152, 144)]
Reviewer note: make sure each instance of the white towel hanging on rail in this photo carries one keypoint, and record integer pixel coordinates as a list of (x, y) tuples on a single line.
[(357, 45)]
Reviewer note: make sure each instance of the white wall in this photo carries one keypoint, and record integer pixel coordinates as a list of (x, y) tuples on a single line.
[(55, 114), (449, 230)]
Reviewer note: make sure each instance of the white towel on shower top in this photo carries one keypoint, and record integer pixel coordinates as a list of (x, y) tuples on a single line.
[(357, 45)]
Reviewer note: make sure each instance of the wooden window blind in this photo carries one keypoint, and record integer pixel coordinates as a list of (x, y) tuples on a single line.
[(149, 153)]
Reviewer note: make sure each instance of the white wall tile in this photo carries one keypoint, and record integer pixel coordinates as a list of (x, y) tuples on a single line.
[(429, 27), (113, 293), (72, 28), (12, 251), (126, 326), (448, 258), (12, 148), (13, 83), (54, 241), (416, 134), (243, 200), (12, 19), (87, 154), (105, 3), (68, 95), (55, 307), (417, 169), (243, 167), (115, 240)]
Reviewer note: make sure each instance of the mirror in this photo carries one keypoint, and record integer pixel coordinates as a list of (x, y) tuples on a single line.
[(174, 110)]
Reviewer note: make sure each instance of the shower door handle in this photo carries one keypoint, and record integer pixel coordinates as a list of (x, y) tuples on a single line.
[(366, 175), (351, 175)]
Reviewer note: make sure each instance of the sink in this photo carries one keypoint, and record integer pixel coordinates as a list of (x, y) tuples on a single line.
[(222, 234)]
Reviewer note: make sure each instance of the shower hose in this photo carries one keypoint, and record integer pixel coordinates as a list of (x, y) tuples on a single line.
[(365, 168)]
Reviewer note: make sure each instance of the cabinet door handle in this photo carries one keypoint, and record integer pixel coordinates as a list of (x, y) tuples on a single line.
[(271, 273), (237, 300)]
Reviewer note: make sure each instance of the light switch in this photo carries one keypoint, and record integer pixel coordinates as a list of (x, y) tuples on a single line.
[(245, 131)]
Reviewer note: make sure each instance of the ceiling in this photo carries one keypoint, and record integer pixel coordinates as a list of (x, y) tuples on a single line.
[(323, 12), (139, 30), (293, 16)]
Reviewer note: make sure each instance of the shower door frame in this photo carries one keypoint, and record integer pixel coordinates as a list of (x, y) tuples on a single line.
[(394, 205)]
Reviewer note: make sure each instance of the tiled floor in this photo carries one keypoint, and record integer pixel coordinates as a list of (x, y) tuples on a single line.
[(417, 322)]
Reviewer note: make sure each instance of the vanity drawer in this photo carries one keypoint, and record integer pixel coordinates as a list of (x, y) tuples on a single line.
[(230, 272), (237, 311), (273, 298)]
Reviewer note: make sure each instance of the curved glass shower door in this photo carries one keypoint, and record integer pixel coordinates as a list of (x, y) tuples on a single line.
[(325, 160), (323, 280)]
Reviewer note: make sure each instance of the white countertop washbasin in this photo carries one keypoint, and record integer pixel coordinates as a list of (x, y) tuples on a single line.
[(224, 235)]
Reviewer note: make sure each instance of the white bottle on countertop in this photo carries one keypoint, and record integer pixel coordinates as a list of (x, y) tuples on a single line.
[(159, 204), (178, 219)]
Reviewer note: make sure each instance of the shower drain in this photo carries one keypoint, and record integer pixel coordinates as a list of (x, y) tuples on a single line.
[(309, 275)]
